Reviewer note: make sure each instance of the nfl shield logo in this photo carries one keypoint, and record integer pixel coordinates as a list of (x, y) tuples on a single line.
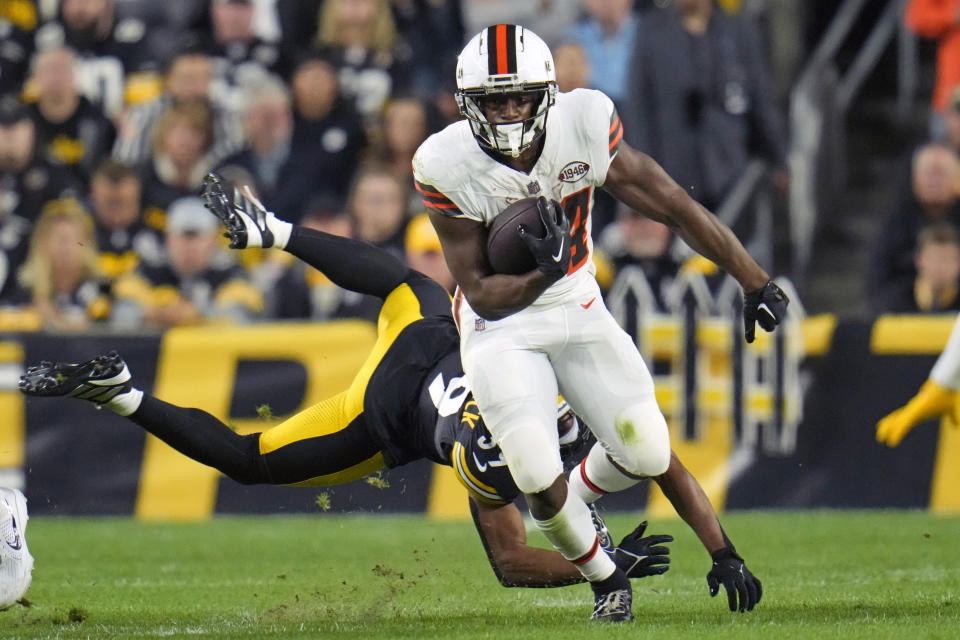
[(533, 188), (479, 324)]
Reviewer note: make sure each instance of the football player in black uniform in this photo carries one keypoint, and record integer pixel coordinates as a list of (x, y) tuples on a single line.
[(410, 400)]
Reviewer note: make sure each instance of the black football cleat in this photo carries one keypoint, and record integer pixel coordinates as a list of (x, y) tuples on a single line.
[(612, 599), (246, 220), (98, 380), (613, 606)]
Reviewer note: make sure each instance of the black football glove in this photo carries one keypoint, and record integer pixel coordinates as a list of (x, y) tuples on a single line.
[(552, 251), (766, 306), (639, 557), (730, 571)]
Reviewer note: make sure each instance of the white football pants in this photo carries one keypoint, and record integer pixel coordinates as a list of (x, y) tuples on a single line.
[(517, 366)]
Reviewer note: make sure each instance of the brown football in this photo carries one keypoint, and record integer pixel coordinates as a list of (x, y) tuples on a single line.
[(506, 250)]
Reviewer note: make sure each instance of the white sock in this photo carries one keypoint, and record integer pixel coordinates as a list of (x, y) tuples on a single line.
[(281, 231), (126, 403), (571, 532), (596, 476)]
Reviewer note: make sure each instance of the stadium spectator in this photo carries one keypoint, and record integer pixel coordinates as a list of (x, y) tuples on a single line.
[(198, 284), (699, 100), (932, 198), (328, 122), (239, 56), (939, 20), (362, 36), (635, 244), (61, 278), (123, 239), (116, 67), (378, 204), (18, 22), (187, 80), (71, 130), (182, 140), (550, 19), (431, 30), (404, 128), (424, 253), (305, 293), (298, 24), (607, 35), (937, 263), (27, 182), (287, 168), (27, 179), (573, 68)]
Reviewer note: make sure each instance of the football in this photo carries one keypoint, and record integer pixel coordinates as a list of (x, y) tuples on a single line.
[(506, 250)]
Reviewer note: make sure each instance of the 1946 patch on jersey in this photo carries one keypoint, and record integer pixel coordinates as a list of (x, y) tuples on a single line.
[(573, 171)]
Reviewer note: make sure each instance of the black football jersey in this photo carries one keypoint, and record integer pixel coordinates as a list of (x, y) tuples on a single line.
[(450, 430)]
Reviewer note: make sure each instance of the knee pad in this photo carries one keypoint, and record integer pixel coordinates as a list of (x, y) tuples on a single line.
[(644, 440), (533, 460)]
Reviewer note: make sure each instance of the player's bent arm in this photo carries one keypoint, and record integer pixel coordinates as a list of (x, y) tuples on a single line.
[(493, 296), (504, 538), (691, 503), (638, 181)]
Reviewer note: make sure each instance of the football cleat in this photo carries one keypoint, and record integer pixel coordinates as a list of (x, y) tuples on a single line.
[(246, 220), (603, 533), (99, 380), (16, 563), (613, 606)]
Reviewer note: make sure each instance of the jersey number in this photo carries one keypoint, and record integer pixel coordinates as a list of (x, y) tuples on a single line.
[(448, 399), (576, 207)]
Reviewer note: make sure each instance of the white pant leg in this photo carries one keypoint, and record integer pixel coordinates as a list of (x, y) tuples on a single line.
[(602, 375), (516, 391), (946, 370)]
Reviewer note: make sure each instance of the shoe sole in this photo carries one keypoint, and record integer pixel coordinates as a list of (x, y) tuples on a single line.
[(72, 380)]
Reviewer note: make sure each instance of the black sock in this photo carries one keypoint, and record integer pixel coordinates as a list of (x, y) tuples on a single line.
[(617, 580), (350, 264), (200, 436)]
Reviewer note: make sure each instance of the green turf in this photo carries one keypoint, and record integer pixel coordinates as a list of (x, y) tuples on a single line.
[(834, 575)]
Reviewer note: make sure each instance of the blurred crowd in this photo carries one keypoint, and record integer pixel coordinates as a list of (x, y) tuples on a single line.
[(112, 111), (916, 259)]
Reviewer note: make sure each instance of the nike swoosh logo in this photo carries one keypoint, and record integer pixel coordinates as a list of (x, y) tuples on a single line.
[(763, 307), (16, 544), (587, 306), (482, 466), (559, 254)]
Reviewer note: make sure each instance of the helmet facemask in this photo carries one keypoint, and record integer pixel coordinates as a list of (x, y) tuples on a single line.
[(509, 138)]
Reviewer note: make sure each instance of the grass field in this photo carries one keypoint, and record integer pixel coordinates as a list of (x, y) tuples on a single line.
[(837, 574)]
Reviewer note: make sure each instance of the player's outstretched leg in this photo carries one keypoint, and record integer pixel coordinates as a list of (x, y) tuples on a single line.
[(105, 380), (246, 220), (16, 563), (99, 380)]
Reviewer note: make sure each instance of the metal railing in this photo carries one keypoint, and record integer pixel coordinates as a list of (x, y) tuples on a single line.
[(818, 106)]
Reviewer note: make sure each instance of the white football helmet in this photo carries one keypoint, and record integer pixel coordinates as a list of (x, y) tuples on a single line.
[(502, 59)]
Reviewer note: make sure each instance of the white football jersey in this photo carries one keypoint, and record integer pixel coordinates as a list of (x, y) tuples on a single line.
[(583, 131)]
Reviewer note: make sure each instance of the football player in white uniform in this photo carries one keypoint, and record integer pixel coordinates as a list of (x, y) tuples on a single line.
[(938, 396), (524, 338)]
